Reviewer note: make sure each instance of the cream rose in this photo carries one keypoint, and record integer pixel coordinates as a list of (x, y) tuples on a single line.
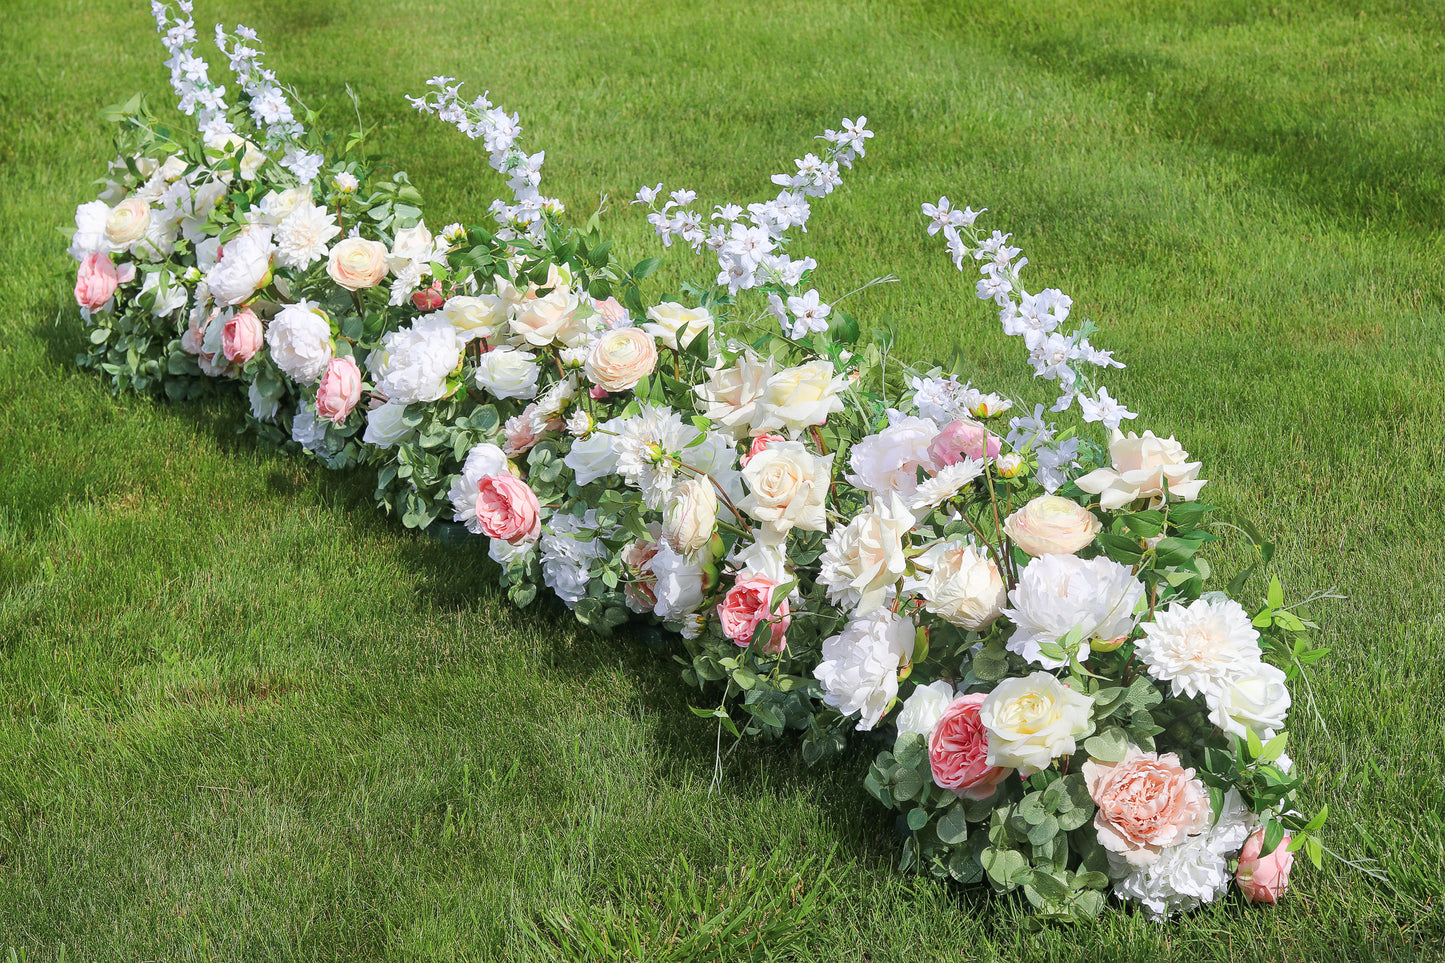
[(675, 326), (1033, 720), (620, 359), (962, 585), (691, 516), (787, 487), (476, 317), (127, 223), (1050, 525), (795, 398), (1142, 466), (508, 373), (863, 560), (730, 397), (548, 320), (357, 263)]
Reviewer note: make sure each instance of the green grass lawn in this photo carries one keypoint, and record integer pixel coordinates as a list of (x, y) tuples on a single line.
[(245, 716)]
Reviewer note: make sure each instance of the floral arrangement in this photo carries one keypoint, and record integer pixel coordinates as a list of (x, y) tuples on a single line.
[(1015, 613)]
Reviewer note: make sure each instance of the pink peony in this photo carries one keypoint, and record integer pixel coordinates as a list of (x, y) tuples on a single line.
[(1264, 879), (958, 750), (748, 603), (242, 336), (507, 509), (960, 438), (758, 446), (95, 281), (339, 391), (1146, 802)]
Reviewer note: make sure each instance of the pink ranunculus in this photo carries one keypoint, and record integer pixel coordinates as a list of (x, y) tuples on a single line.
[(1264, 879), (1147, 801), (958, 750), (748, 603), (339, 391), (95, 282), (963, 438), (507, 509), (430, 299), (242, 336), (759, 445)]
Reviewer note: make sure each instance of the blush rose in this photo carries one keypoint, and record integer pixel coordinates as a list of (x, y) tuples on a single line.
[(508, 510), (958, 750), (747, 605)]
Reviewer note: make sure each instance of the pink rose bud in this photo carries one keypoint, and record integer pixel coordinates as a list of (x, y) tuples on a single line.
[(749, 603), (95, 282), (597, 393), (242, 336), (1264, 879), (960, 438), (339, 391), (759, 444), (507, 509), (431, 299), (611, 311)]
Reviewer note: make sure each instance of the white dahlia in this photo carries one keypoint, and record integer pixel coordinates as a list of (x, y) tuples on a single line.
[(1199, 647), (303, 235)]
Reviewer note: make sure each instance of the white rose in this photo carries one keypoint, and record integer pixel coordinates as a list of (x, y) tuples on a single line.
[(1050, 525), (890, 459), (1060, 593), (862, 561), (384, 427), (788, 487), (1257, 699), (730, 397), (245, 265), (415, 362), (357, 263), (675, 326), (508, 373), (620, 359), (476, 317), (595, 456), (962, 585), (126, 223), (1142, 466), (691, 516), (679, 586), (1033, 720), (859, 670), (922, 710), (543, 321), (795, 398), (411, 244), (300, 341)]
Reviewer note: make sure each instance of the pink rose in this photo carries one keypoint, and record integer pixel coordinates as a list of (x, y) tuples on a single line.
[(958, 750), (748, 603), (1264, 879), (520, 433), (960, 438), (242, 336), (758, 446), (596, 393), (507, 509), (339, 391), (1146, 802), (430, 299), (95, 282)]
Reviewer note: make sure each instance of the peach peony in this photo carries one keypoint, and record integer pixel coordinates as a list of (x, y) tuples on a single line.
[(1146, 802), (749, 603)]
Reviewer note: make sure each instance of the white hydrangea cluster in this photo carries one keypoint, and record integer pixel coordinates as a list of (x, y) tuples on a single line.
[(1190, 874)]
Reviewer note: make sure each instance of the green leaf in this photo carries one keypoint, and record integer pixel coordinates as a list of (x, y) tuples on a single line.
[(646, 267), (1273, 748), (1111, 745), (952, 826), (1275, 597), (1043, 831), (1273, 835), (1004, 866), (917, 818)]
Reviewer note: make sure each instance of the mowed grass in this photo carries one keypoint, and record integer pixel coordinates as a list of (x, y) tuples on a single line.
[(245, 716)]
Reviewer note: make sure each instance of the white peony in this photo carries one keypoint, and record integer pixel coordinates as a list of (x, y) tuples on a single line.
[(922, 710), (508, 373), (1188, 875), (300, 341), (1256, 698), (1199, 647), (89, 237), (1142, 466), (862, 561), (795, 398), (1033, 720), (415, 362), (960, 583), (679, 586), (889, 460), (569, 545), (1059, 593), (483, 460), (384, 425), (245, 265), (859, 670)]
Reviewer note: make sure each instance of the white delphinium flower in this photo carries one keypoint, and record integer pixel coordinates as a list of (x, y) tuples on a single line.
[(414, 363), (508, 373), (862, 561), (859, 669), (1104, 409), (1036, 316), (1199, 647), (483, 460), (943, 215), (1060, 593), (303, 236), (1190, 874), (938, 399), (304, 164), (922, 710), (811, 315)]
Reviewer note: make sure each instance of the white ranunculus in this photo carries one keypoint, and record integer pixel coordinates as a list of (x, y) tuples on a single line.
[(508, 373), (859, 670), (384, 425), (481, 316), (691, 516), (416, 361), (300, 341), (1255, 699), (864, 559), (962, 584), (1199, 646), (1142, 466), (1059, 593), (1033, 720), (788, 487), (245, 265), (889, 460), (922, 710), (1050, 525), (679, 586), (356, 263), (795, 398), (595, 456), (483, 460), (548, 320), (675, 326), (126, 223), (730, 396)]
